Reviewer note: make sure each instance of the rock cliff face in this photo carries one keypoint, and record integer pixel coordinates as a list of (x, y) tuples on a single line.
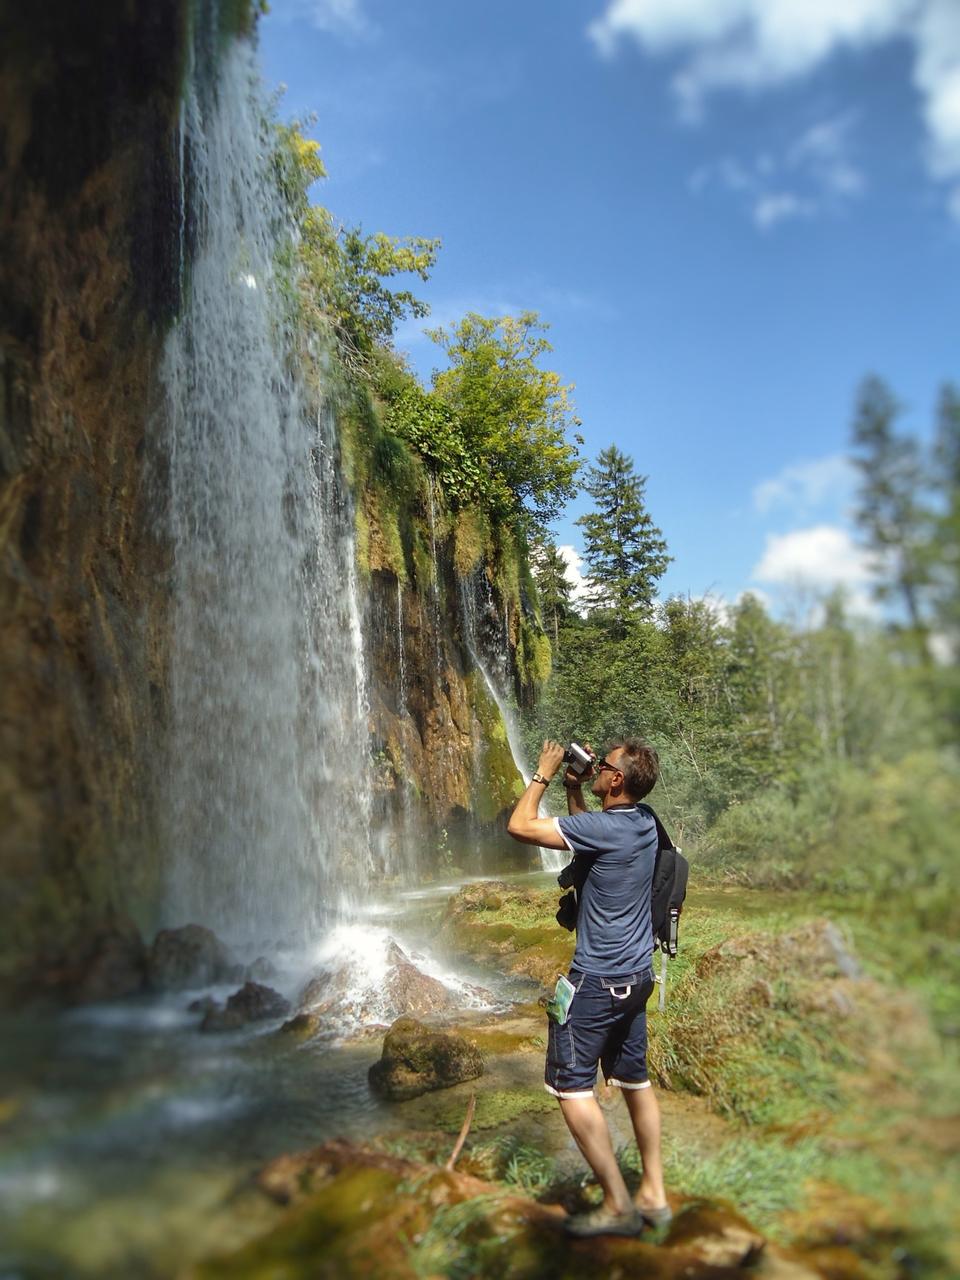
[(90, 219), (87, 226)]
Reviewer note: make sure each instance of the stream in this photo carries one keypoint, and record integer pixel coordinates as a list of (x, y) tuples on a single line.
[(131, 1138)]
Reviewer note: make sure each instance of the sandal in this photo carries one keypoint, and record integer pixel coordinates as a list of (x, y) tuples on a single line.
[(655, 1217), (602, 1222)]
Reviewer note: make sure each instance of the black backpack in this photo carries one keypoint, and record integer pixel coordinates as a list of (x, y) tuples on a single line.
[(669, 888), (670, 873)]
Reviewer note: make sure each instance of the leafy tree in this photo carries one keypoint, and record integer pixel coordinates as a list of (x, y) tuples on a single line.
[(624, 549), (889, 511), (511, 412), (341, 271)]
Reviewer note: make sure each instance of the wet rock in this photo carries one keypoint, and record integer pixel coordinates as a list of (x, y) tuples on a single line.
[(205, 1004), (340, 996), (324, 989), (191, 956), (117, 967), (416, 1060), (252, 1003), (222, 1019), (302, 1025), (257, 1002), (409, 991)]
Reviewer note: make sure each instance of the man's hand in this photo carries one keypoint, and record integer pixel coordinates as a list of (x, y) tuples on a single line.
[(551, 758), (525, 824)]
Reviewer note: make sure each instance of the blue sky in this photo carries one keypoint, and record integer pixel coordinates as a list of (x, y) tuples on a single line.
[(729, 212)]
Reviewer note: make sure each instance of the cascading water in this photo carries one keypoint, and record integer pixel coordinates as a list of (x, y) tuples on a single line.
[(268, 688), (493, 663)]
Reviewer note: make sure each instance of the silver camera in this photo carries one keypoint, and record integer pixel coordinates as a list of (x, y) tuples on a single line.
[(578, 758)]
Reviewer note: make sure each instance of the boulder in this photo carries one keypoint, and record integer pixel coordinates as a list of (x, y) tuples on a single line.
[(716, 1235), (252, 1003), (222, 1019), (203, 1004), (302, 1025), (416, 1060), (338, 995), (327, 990), (188, 957), (409, 991)]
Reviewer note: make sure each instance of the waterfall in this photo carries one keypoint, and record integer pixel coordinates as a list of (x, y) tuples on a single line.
[(493, 663), (435, 584), (401, 655), (267, 681)]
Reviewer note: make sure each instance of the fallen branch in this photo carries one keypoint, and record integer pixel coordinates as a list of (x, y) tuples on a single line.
[(464, 1130)]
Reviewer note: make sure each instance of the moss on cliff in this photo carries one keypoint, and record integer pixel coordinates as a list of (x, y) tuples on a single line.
[(496, 785)]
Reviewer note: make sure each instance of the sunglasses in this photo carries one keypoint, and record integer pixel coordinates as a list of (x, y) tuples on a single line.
[(605, 764)]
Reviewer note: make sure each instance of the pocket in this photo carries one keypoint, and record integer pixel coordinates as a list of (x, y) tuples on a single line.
[(560, 1051)]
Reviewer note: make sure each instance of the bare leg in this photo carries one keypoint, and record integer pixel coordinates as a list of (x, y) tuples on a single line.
[(586, 1122), (645, 1117)]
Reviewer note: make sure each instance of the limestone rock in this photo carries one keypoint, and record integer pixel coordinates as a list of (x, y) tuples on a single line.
[(302, 1025), (339, 995), (188, 957), (417, 1060), (818, 946), (205, 1004), (716, 1236), (411, 992), (252, 1003)]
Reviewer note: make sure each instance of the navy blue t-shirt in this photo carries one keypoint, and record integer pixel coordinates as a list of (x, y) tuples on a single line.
[(614, 930)]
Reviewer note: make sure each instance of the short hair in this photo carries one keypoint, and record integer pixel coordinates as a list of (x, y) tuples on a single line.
[(640, 766)]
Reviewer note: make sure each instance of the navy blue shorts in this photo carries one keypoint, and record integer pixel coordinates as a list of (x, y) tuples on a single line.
[(607, 1024)]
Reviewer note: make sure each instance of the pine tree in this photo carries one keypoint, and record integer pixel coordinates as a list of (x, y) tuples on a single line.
[(945, 549), (625, 551), (888, 508), (553, 586)]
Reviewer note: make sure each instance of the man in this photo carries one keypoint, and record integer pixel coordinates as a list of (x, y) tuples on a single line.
[(611, 971)]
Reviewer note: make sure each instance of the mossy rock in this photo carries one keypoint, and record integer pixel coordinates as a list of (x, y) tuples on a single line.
[(494, 1110), (520, 936), (417, 1060)]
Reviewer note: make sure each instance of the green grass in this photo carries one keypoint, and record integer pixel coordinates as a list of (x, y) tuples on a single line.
[(761, 1177), (831, 1087)]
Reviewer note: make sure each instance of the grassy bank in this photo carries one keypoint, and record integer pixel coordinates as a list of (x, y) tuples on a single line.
[(798, 1022)]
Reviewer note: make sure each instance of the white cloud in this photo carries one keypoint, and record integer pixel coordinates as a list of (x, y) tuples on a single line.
[(755, 44), (574, 574), (813, 174), (802, 487), (824, 556), (780, 206), (340, 17), (823, 152), (803, 566)]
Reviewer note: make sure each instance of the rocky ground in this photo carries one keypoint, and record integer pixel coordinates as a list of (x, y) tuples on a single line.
[(807, 1132)]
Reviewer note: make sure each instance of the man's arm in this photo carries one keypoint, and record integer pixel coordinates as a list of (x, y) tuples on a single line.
[(524, 824), (575, 801)]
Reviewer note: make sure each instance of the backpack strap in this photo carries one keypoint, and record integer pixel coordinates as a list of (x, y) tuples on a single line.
[(663, 839)]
